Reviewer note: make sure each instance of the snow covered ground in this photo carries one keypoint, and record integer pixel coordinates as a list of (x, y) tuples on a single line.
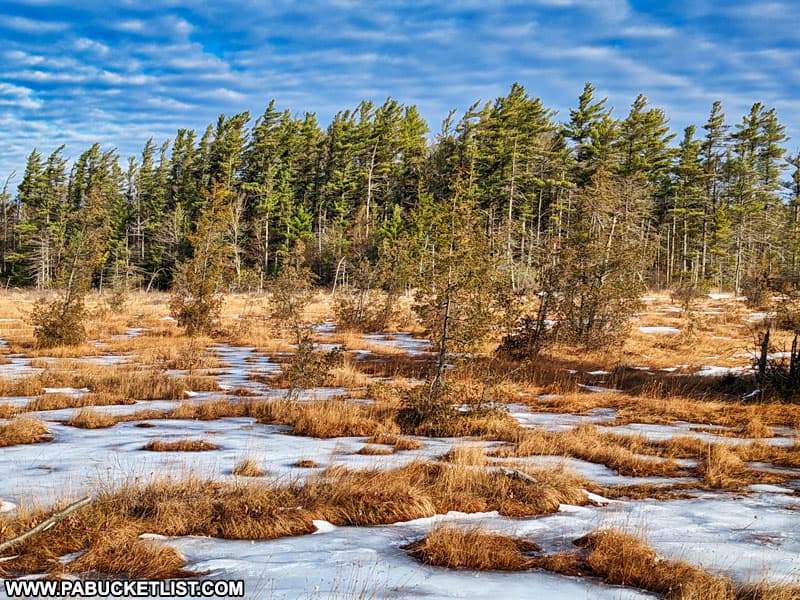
[(748, 536)]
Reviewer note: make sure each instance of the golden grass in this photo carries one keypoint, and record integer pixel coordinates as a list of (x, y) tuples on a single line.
[(7, 411), (467, 455), (120, 552), (181, 352), (248, 467), (474, 548), (375, 450), (613, 556), (586, 442), (88, 418), (331, 418), (57, 401), (23, 430), (118, 385), (180, 446), (399, 442), (267, 509), (346, 376), (621, 559)]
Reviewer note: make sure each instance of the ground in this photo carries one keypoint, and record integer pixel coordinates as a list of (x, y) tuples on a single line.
[(200, 460)]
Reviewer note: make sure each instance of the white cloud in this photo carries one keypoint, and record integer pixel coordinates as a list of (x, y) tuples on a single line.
[(25, 25), (18, 96)]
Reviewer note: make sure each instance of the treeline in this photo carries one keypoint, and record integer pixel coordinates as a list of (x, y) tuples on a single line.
[(711, 208)]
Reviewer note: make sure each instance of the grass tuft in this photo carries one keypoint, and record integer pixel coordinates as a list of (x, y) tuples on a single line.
[(180, 446), (248, 467), (23, 430), (476, 548)]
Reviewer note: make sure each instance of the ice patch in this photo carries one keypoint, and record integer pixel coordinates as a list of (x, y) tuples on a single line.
[(664, 330), (597, 388), (712, 371), (323, 526), (67, 391)]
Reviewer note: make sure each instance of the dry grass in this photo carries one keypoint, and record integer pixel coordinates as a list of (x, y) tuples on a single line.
[(721, 467), (88, 418), (267, 510), (586, 442), (121, 552), (475, 548), (184, 353), (347, 376), (375, 450), (399, 442), (57, 401), (7, 411), (331, 418), (23, 430), (621, 559), (180, 446), (467, 455), (615, 557), (248, 467), (110, 385)]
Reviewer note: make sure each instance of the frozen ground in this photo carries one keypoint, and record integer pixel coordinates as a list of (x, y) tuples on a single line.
[(745, 535)]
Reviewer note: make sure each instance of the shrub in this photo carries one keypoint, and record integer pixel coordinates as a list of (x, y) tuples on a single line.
[(59, 323)]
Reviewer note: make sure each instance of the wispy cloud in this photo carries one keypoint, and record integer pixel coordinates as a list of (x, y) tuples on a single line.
[(118, 71)]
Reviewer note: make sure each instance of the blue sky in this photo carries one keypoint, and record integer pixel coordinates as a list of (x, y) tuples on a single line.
[(119, 71)]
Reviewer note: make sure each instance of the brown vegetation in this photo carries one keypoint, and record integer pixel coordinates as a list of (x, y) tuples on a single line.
[(248, 467), (88, 418), (23, 430), (180, 446), (615, 557), (268, 510), (456, 548)]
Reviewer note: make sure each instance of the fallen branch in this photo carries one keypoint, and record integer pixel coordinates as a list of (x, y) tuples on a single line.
[(46, 524), (516, 474)]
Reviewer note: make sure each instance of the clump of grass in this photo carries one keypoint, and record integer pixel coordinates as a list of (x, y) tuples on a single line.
[(399, 442), (613, 556), (422, 414), (58, 401), (23, 430), (331, 418), (89, 418), (7, 411), (248, 467), (622, 559), (475, 548), (722, 468), (756, 428), (119, 551), (346, 375), (180, 446), (267, 509), (467, 455), (621, 453), (375, 450)]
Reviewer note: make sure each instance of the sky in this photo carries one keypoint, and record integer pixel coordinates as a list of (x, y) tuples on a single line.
[(121, 71)]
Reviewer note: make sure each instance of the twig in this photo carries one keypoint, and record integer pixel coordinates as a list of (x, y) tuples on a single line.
[(516, 474), (46, 524)]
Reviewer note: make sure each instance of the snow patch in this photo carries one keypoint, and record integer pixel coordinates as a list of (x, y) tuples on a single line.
[(664, 330), (323, 526)]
